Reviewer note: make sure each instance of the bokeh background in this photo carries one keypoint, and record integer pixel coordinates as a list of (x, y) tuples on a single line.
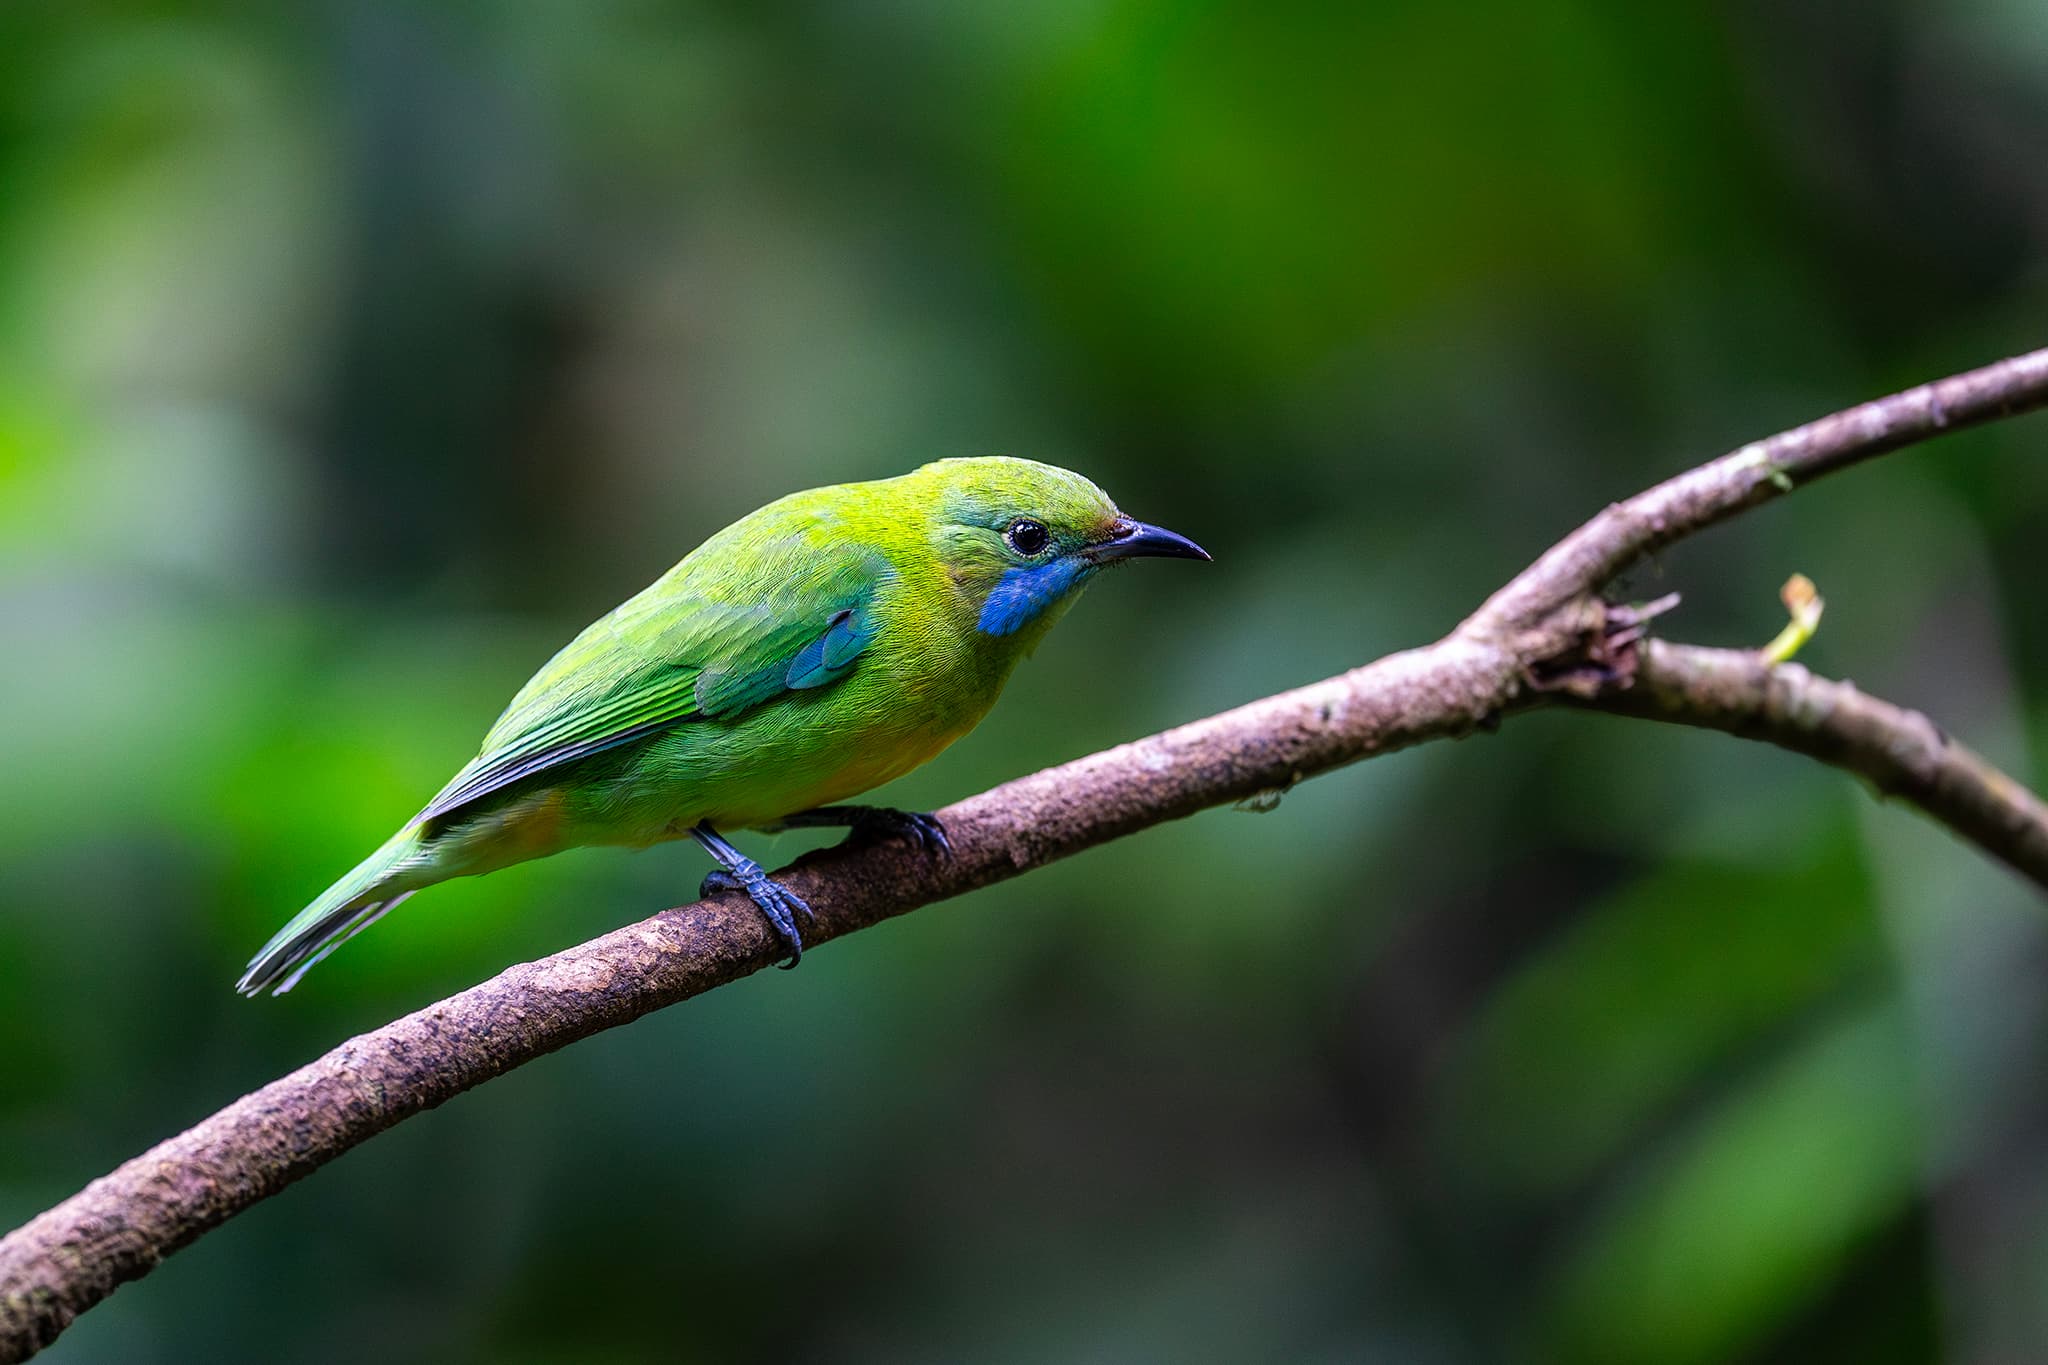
[(353, 355)]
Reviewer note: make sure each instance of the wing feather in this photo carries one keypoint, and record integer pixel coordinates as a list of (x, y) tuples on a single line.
[(695, 646)]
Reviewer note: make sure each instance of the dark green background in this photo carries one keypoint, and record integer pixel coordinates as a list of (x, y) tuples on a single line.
[(353, 355)]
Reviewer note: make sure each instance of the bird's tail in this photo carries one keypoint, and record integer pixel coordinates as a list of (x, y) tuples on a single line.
[(344, 910)]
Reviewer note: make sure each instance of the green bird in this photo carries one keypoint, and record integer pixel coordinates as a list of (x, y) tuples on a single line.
[(831, 641)]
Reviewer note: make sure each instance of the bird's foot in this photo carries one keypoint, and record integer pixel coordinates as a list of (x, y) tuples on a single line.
[(781, 905), (917, 828), (873, 824), (776, 901)]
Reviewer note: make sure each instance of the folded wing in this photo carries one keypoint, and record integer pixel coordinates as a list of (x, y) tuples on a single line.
[(702, 644)]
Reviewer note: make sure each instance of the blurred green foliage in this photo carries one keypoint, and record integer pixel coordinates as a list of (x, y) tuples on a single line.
[(352, 356)]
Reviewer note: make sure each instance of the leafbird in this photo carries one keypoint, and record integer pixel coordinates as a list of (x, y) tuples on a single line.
[(812, 650)]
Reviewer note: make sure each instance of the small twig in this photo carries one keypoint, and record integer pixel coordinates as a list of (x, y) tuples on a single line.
[(1546, 625)]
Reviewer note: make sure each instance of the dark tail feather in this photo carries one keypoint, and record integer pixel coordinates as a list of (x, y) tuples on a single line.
[(347, 908), (284, 960)]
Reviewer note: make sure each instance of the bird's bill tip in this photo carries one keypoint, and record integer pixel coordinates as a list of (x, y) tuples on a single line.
[(1141, 540)]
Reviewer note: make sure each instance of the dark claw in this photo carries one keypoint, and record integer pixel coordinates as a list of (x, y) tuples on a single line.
[(932, 835)]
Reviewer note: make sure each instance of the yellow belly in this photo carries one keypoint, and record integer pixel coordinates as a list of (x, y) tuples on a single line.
[(866, 767)]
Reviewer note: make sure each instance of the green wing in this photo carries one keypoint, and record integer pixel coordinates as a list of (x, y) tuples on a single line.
[(695, 645)]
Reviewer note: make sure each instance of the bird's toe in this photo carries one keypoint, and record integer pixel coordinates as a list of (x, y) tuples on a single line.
[(777, 903), (782, 907), (797, 904)]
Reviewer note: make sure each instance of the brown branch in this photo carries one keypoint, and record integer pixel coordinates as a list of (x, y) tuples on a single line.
[(1543, 636), (1762, 470), (119, 1227), (1901, 752)]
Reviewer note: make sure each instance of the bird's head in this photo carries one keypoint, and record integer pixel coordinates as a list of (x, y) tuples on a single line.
[(1020, 539)]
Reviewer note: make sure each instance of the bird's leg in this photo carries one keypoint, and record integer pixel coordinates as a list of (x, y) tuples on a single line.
[(870, 824), (741, 873)]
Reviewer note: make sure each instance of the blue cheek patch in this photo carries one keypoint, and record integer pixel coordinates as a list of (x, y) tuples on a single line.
[(1021, 594)]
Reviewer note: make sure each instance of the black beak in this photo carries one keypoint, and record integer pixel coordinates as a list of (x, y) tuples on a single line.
[(1136, 540)]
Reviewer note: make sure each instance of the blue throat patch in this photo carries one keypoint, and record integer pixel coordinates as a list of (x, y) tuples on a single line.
[(1021, 594)]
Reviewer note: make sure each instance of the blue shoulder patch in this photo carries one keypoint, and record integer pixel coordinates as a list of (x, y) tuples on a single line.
[(827, 658), (1021, 594)]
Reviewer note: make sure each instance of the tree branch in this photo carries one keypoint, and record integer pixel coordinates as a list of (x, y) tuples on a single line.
[(1586, 559), (1901, 752), (1545, 636)]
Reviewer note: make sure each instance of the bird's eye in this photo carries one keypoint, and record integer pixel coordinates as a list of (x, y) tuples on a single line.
[(1027, 537)]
